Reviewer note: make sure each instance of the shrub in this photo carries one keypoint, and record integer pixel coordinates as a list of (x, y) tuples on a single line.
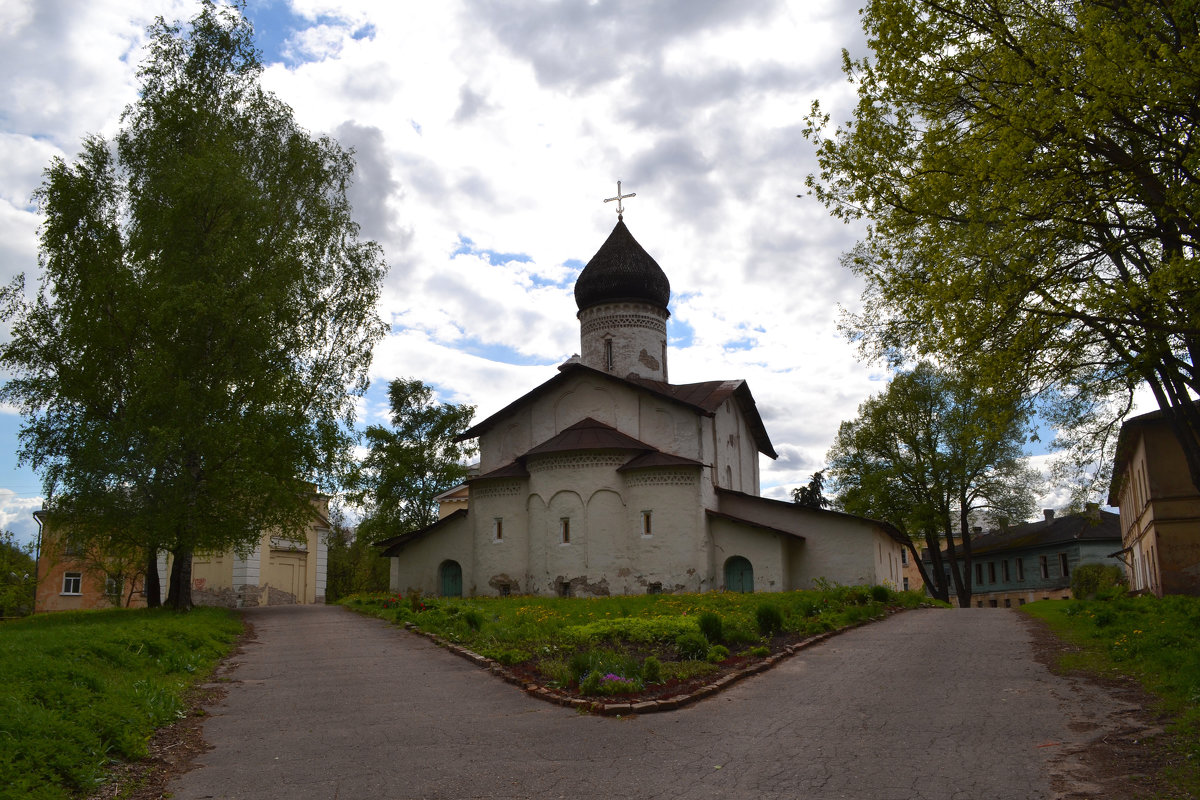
[(473, 618), (769, 619), (608, 684), (652, 670), (761, 651), (880, 594), (717, 653), (710, 626), (692, 646), (1089, 580)]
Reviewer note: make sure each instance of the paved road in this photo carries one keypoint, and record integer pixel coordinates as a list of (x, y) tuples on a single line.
[(924, 706)]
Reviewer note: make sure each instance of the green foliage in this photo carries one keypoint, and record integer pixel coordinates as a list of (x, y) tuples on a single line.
[(1028, 174), (880, 594), (1090, 580), (205, 303), (354, 565), (769, 619), (1154, 640), (18, 576), (83, 688), (759, 651), (717, 653), (565, 639), (925, 454), (410, 464), (710, 625), (605, 672), (691, 646), (812, 495)]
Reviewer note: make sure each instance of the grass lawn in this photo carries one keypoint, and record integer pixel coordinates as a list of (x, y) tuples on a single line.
[(81, 690), (632, 645), (1154, 641)]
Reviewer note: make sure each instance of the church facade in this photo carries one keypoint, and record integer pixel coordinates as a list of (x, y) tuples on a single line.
[(608, 479)]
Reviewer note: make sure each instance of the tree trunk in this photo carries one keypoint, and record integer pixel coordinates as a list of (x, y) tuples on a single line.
[(150, 584), (179, 595)]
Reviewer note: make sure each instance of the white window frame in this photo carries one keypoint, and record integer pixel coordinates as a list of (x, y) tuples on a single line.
[(497, 529), (72, 577)]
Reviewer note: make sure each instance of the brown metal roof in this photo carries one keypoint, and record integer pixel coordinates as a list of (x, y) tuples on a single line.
[(588, 434), (658, 459), (513, 469)]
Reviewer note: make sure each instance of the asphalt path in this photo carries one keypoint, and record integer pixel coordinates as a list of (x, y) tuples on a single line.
[(926, 705)]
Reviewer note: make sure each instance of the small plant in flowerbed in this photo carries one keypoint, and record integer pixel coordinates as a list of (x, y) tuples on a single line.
[(686, 639)]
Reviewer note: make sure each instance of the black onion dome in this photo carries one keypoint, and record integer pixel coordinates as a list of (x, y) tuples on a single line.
[(621, 271)]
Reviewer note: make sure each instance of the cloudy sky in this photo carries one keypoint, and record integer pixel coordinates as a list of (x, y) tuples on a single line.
[(488, 134)]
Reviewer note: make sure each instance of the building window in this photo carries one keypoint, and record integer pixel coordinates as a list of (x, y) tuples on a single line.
[(993, 604), (991, 572), (1020, 601), (654, 588), (1045, 566), (979, 574), (979, 604), (906, 584), (114, 586), (1020, 569), (904, 556), (1004, 569), (505, 590), (498, 529), (564, 530), (608, 355), (1062, 565), (1007, 603), (647, 525), (564, 588), (72, 583)]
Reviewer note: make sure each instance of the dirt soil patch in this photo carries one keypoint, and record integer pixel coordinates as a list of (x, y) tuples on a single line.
[(1126, 762)]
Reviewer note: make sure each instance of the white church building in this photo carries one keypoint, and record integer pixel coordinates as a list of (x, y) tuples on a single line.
[(607, 479)]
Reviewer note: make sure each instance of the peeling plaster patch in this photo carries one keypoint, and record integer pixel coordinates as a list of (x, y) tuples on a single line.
[(502, 580), (624, 572), (648, 360)]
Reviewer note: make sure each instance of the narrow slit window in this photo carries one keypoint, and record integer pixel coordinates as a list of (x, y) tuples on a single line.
[(498, 529), (564, 530), (608, 355), (647, 523)]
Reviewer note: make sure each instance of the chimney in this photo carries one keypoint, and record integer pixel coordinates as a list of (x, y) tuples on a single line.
[(1049, 513)]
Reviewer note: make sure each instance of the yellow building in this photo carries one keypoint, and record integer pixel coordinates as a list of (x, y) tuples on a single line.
[(278, 571), (1160, 508)]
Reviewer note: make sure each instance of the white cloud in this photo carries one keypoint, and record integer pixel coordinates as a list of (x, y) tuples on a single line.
[(507, 124)]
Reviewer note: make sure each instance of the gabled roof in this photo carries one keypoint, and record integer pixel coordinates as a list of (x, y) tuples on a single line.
[(391, 546), (1088, 527), (512, 469), (704, 398), (587, 434)]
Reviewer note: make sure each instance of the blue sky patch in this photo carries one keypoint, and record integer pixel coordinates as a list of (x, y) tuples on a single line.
[(466, 247), (275, 24)]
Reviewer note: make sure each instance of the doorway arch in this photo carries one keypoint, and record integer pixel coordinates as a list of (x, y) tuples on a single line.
[(739, 575), (450, 579)]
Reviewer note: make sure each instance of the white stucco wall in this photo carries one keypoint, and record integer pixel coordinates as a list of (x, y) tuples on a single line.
[(417, 564)]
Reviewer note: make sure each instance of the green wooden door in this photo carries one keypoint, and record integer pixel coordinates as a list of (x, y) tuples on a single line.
[(739, 575), (451, 579)]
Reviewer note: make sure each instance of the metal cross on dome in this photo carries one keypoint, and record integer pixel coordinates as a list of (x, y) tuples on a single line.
[(619, 198)]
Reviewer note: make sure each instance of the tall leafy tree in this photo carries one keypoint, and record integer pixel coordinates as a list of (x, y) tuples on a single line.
[(929, 454), (18, 576), (1030, 173), (411, 463), (206, 311), (812, 495)]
